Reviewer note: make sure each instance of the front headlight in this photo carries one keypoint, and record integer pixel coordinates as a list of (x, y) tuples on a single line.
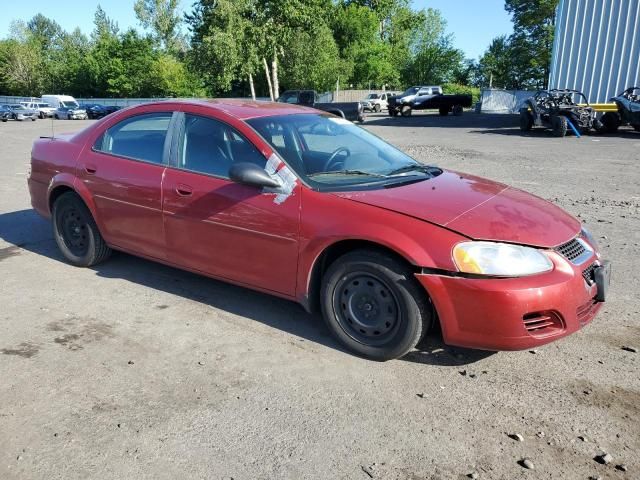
[(500, 259)]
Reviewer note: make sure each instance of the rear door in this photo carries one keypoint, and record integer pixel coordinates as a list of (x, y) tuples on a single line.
[(224, 229), (123, 170)]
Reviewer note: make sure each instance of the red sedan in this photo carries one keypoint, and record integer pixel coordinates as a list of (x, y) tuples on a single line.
[(307, 206)]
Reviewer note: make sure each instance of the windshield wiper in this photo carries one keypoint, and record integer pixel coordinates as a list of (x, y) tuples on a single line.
[(410, 168), (348, 172)]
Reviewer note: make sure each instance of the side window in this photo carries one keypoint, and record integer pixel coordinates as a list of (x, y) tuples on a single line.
[(211, 147), (141, 137)]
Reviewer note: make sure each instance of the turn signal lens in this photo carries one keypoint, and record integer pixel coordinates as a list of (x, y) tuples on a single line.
[(500, 259)]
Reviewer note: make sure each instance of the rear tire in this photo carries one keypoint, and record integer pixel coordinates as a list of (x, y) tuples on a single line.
[(374, 306), (636, 127), (559, 125), (457, 110), (76, 232), (610, 122)]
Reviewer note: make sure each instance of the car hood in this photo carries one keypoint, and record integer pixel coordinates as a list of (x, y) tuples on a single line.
[(477, 208)]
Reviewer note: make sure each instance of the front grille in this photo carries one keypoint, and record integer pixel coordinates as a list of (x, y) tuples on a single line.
[(542, 323), (589, 274), (572, 249)]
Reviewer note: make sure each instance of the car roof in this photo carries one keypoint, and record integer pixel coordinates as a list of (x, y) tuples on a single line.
[(244, 109)]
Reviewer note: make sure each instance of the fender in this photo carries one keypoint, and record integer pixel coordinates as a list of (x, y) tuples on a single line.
[(68, 180), (420, 243)]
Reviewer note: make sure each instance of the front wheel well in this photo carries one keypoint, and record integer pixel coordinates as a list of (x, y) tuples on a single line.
[(331, 254)]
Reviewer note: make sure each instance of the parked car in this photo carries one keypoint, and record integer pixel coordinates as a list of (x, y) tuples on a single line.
[(109, 109), (375, 102), (312, 208), (562, 111), (20, 112), (427, 98), (44, 109), (94, 111), (352, 111), (5, 113), (628, 105), (70, 113)]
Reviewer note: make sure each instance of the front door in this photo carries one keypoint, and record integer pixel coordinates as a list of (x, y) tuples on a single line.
[(123, 171), (222, 228)]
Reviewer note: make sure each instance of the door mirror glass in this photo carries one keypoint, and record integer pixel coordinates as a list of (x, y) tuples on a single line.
[(247, 173)]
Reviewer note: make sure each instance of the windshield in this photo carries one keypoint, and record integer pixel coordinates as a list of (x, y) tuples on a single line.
[(325, 150), (69, 104), (373, 96), (410, 91), (288, 97)]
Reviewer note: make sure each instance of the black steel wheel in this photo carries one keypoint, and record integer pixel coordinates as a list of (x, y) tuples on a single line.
[(76, 233), (373, 305), (367, 309)]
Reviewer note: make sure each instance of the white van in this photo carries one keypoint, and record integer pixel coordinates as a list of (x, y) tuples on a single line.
[(60, 101)]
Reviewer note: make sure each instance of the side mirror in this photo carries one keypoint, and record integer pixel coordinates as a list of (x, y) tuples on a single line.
[(250, 174)]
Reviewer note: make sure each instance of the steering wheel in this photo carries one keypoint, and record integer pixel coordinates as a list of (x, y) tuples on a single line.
[(332, 158)]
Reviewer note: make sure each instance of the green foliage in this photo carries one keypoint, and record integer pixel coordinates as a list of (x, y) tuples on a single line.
[(458, 89), (40, 58), (163, 19), (523, 59), (434, 59)]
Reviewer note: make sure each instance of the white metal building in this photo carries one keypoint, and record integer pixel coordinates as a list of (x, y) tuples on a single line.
[(596, 47)]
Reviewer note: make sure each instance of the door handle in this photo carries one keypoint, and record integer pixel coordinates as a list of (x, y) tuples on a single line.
[(183, 190), (90, 169)]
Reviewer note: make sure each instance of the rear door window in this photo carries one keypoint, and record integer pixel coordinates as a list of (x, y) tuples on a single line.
[(141, 137)]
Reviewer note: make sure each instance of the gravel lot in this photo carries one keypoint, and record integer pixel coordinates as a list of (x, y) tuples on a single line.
[(136, 370)]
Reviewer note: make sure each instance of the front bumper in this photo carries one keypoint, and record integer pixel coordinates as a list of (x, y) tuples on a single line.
[(513, 313), (78, 116)]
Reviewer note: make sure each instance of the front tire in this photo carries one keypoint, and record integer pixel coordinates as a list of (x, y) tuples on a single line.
[(526, 121), (376, 108), (559, 125), (374, 306), (405, 111), (76, 232)]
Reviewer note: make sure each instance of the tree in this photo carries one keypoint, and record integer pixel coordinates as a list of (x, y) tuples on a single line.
[(434, 59), (163, 19), (534, 25)]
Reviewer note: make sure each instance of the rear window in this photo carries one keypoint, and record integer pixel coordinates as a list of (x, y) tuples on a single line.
[(141, 137)]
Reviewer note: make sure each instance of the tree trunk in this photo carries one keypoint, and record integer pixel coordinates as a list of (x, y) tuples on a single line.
[(267, 73), (253, 90), (274, 72)]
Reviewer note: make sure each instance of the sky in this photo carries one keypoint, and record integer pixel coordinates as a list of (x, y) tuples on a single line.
[(473, 22)]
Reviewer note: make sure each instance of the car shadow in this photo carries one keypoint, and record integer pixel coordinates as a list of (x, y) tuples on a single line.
[(25, 229)]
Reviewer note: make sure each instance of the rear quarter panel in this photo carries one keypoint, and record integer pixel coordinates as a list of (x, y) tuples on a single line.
[(53, 163)]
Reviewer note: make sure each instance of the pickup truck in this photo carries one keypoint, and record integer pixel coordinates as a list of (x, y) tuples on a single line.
[(427, 98), (352, 111), (376, 101)]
